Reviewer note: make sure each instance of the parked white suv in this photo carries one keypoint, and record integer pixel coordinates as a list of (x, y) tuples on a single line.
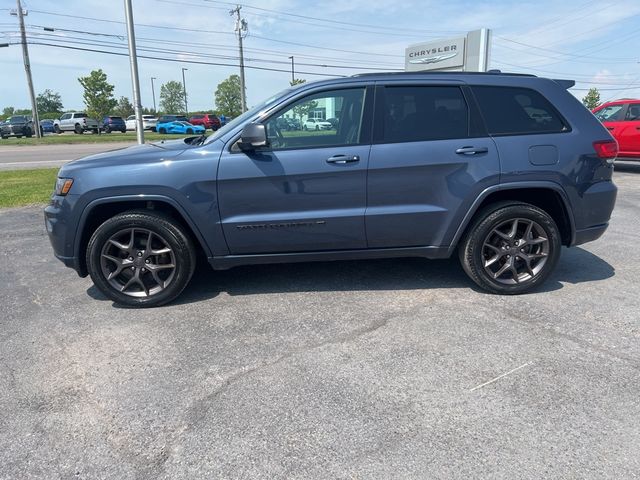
[(77, 122), (317, 124), (148, 121)]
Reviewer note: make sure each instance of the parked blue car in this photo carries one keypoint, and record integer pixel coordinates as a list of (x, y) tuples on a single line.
[(179, 127), (114, 124), (46, 126)]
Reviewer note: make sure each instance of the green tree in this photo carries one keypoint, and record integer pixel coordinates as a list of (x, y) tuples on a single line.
[(98, 94), (227, 97), (49, 101), (124, 108), (297, 81), (592, 98), (8, 111), (172, 97)]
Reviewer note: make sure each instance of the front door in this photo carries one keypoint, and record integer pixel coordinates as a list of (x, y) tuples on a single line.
[(628, 132), (307, 190), (428, 161)]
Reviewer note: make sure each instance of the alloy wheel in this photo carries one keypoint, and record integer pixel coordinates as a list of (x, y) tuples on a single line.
[(515, 251), (138, 262)]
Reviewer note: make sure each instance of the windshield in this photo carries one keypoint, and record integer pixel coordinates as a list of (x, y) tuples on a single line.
[(19, 119), (246, 115)]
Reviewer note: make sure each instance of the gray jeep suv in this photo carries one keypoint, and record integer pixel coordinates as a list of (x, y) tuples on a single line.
[(500, 169)]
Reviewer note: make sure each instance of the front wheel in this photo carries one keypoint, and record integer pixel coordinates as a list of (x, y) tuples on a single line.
[(56, 128), (510, 248), (139, 259)]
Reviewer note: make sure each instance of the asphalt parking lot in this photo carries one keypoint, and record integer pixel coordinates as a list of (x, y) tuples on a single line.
[(355, 370)]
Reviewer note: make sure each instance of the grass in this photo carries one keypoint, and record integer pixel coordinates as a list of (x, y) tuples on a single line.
[(26, 187), (68, 138)]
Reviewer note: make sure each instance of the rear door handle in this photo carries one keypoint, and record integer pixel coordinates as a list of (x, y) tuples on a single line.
[(471, 150), (342, 159)]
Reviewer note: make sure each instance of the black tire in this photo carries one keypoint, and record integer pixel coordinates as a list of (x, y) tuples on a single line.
[(78, 129), (487, 247), (164, 230), (317, 127), (123, 131), (95, 131), (162, 130), (18, 136), (107, 129), (56, 128), (189, 131), (28, 133)]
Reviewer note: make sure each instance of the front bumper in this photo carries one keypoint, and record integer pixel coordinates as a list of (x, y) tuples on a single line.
[(61, 232)]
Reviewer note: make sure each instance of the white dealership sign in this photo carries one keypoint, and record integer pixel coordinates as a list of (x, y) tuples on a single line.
[(470, 53)]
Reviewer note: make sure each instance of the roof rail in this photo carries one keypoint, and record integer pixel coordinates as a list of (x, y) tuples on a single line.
[(490, 72)]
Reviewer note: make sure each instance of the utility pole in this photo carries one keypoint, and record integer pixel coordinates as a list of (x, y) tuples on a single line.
[(241, 28), (27, 69), (184, 91), (293, 76), (153, 94), (133, 61)]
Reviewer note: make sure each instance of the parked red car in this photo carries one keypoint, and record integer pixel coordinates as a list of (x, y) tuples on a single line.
[(207, 120), (622, 119)]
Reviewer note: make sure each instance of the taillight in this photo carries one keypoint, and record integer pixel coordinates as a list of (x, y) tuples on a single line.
[(606, 149)]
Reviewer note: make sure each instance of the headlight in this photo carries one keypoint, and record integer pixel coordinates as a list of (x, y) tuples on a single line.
[(63, 185)]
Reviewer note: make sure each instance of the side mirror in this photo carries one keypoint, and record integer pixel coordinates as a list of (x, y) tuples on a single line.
[(254, 135)]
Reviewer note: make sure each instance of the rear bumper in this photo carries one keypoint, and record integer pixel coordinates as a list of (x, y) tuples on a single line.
[(593, 214)]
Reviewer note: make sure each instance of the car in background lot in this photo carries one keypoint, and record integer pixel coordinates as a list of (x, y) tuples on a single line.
[(622, 119), (46, 126), (114, 124), (317, 124), (77, 122), (207, 120), (17, 126), (148, 122), (180, 128)]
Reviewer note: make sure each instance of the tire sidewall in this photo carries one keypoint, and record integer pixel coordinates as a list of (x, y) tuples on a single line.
[(472, 258), (160, 225)]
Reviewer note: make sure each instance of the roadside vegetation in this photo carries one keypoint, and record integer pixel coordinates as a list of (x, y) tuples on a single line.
[(26, 187)]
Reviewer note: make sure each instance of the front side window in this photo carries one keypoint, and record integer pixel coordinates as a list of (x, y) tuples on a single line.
[(633, 113), (513, 110), (423, 113), (612, 113), (303, 124)]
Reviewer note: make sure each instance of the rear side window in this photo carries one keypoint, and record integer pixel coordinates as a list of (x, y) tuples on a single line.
[(423, 113), (511, 111), (633, 113), (80, 115)]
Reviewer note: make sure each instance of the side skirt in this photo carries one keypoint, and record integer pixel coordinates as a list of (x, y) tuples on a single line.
[(230, 261)]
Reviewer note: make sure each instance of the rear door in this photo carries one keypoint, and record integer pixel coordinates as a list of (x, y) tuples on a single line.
[(429, 161), (628, 132), (307, 190)]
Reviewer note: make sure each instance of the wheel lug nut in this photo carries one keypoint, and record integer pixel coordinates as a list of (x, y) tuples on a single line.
[(130, 258), (146, 261), (133, 268), (144, 269), (139, 254)]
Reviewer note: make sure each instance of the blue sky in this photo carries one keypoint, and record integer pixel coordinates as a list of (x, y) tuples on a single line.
[(595, 42)]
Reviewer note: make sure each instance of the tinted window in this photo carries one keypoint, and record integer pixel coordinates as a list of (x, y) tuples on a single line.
[(509, 110), (198, 116), (346, 105), (421, 113), (633, 112), (612, 113), (80, 115)]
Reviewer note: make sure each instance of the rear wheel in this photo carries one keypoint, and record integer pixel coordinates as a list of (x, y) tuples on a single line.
[(510, 248), (107, 129), (123, 131), (78, 129), (140, 259), (28, 133)]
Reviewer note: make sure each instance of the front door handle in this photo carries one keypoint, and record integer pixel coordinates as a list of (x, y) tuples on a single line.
[(471, 150), (342, 159)]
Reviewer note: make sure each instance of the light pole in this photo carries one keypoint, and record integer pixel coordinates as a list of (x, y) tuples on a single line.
[(293, 77), (27, 69), (184, 90), (242, 29), (153, 94), (133, 63)]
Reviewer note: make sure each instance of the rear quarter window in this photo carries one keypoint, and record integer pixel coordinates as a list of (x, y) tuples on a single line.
[(517, 111)]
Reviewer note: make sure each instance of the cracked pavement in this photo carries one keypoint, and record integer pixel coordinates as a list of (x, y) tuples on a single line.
[(372, 369)]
